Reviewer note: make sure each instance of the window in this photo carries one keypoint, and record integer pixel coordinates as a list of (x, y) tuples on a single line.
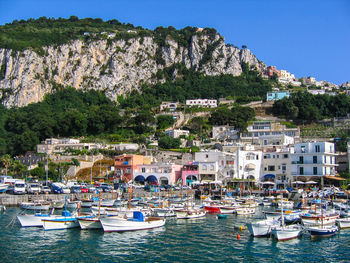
[(301, 170), (284, 167), (143, 170), (285, 156), (317, 148), (314, 159), (204, 167), (301, 159), (271, 168), (128, 170), (303, 149), (212, 167), (315, 170), (325, 159)]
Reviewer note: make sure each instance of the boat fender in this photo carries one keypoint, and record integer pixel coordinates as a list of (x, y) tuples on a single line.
[(238, 236)]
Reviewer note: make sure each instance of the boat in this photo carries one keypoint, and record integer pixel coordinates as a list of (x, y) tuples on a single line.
[(245, 210), (3, 187), (221, 216), (57, 204), (89, 222), (316, 218), (190, 213), (343, 222), (322, 231), (165, 212), (36, 205), (284, 232), (86, 203), (33, 220), (67, 220), (137, 222), (2, 208), (262, 228), (104, 202)]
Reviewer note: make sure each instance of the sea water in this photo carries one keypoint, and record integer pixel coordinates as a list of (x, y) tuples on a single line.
[(205, 239)]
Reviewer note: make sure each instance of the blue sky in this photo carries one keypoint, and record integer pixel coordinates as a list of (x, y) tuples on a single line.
[(305, 37)]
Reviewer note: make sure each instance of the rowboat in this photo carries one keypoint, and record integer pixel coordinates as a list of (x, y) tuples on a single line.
[(262, 228)]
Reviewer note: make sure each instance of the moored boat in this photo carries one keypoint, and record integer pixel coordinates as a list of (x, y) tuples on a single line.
[(34, 220), (261, 228), (343, 222), (36, 205), (137, 222), (282, 233), (189, 213), (322, 231)]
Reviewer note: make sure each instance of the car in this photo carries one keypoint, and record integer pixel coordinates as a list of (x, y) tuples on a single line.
[(33, 188), (45, 189), (75, 189), (106, 187), (84, 189), (91, 188)]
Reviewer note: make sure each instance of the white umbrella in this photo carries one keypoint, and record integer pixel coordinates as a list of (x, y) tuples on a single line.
[(298, 182), (216, 182), (310, 182)]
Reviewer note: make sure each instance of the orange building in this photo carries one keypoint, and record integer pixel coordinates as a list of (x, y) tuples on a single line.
[(126, 164)]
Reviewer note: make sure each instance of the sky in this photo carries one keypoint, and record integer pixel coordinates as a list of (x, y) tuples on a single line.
[(305, 37)]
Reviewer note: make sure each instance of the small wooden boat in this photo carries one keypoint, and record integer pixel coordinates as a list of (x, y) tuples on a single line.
[(343, 222), (221, 216), (322, 231), (245, 210), (137, 222), (262, 228), (36, 205), (189, 213)]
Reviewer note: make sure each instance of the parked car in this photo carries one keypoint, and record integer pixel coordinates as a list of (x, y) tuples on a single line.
[(75, 189), (106, 187), (84, 189), (45, 189), (91, 188), (33, 188)]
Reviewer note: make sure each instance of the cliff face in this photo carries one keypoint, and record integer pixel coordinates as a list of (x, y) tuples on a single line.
[(115, 67)]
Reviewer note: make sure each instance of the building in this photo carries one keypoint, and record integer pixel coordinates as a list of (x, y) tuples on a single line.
[(172, 106), (275, 140), (287, 76), (53, 145), (313, 161), (157, 173), (224, 133), (208, 103), (189, 173), (276, 166), (177, 133), (271, 71), (248, 165), (277, 95), (125, 165), (30, 159), (261, 129)]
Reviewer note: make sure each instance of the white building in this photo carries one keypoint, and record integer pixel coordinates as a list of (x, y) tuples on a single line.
[(287, 76), (248, 165), (223, 133), (202, 103), (172, 106), (177, 133), (313, 161)]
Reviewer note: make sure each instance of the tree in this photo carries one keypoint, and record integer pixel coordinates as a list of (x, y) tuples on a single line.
[(18, 168), (165, 121), (167, 142), (6, 161), (244, 46)]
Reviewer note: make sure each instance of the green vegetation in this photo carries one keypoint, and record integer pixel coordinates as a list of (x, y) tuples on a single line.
[(191, 84), (305, 107)]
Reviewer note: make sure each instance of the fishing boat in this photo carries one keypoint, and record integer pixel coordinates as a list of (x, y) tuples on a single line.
[(262, 228), (36, 205), (245, 210), (190, 213), (32, 220), (165, 211), (137, 222), (316, 218), (89, 222), (322, 230), (343, 222), (284, 232)]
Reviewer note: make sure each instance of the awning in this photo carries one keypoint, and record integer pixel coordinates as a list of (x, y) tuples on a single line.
[(337, 178), (311, 182), (269, 183), (151, 179), (216, 182), (269, 176), (140, 178)]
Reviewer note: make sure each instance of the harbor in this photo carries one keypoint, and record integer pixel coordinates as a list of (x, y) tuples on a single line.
[(205, 239)]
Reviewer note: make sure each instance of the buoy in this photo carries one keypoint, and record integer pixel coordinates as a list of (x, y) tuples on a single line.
[(241, 228), (238, 236)]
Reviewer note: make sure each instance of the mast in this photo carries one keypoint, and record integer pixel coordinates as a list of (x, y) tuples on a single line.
[(99, 203)]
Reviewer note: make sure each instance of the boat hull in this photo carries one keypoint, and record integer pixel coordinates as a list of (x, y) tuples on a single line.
[(89, 223), (260, 229), (60, 223), (185, 214), (282, 234), (32, 220), (343, 223), (118, 224), (325, 231)]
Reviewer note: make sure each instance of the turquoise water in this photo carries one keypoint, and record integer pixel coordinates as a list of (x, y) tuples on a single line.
[(198, 240)]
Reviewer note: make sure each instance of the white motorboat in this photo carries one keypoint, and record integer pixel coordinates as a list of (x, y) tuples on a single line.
[(285, 204), (311, 218), (137, 222), (343, 222), (86, 203), (262, 228), (165, 212), (104, 202)]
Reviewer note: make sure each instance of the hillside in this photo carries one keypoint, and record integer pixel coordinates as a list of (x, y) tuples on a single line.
[(40, 56)]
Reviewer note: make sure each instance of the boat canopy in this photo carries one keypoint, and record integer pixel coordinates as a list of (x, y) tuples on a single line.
[(140, 178)]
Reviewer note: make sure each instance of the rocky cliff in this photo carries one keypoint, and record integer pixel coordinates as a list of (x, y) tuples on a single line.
[(113, 66)]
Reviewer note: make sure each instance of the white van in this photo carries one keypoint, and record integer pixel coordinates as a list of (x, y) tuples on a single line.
[(19, 187)]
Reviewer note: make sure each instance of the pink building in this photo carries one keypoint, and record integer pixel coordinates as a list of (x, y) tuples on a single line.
[(189, 174)]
